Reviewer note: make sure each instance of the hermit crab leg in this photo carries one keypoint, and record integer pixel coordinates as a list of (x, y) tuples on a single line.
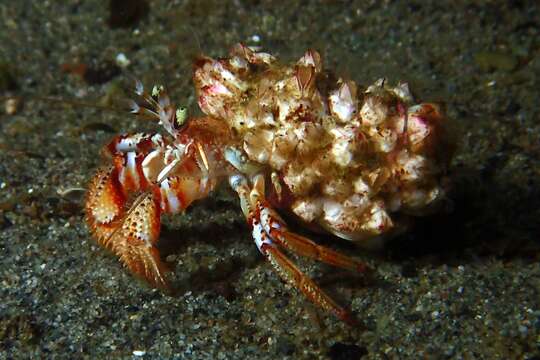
[(295, 277), (276, 228), (251, 202), (301, 245)]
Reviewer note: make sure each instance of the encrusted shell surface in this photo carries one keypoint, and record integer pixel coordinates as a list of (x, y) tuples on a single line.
[(350, 160)]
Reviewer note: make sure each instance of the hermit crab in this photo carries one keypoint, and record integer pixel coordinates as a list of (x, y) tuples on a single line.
[(288, 139)]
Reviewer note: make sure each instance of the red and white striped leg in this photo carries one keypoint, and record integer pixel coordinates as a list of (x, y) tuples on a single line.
[(269, 231)]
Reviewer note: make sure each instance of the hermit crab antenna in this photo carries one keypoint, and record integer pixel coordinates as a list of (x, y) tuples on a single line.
[(137, 109), (147, 109), (139, 87), (157, 105), (149, 98)]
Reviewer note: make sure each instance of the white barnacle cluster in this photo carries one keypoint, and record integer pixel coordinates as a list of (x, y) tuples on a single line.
[(355, 162)]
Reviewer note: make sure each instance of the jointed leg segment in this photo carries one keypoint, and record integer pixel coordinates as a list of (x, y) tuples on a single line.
[(269, 231)]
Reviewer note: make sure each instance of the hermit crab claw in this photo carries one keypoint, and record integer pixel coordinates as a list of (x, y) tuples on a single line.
[(131, 235)]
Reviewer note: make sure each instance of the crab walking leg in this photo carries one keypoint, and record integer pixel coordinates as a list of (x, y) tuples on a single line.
[(276, 228), (287, 270), (301, 245), (295, 277)]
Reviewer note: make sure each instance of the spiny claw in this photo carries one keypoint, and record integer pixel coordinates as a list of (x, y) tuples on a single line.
[(134, 242), (104, 205), (131, 235)]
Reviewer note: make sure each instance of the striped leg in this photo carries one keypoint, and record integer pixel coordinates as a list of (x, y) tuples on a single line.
[(276, 228), (269, 232)]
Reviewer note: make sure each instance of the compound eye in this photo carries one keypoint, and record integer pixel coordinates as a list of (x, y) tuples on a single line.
[(181, 117)]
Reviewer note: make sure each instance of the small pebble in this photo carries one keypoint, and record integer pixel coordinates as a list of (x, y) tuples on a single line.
[(12, 105), (122, 60)]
